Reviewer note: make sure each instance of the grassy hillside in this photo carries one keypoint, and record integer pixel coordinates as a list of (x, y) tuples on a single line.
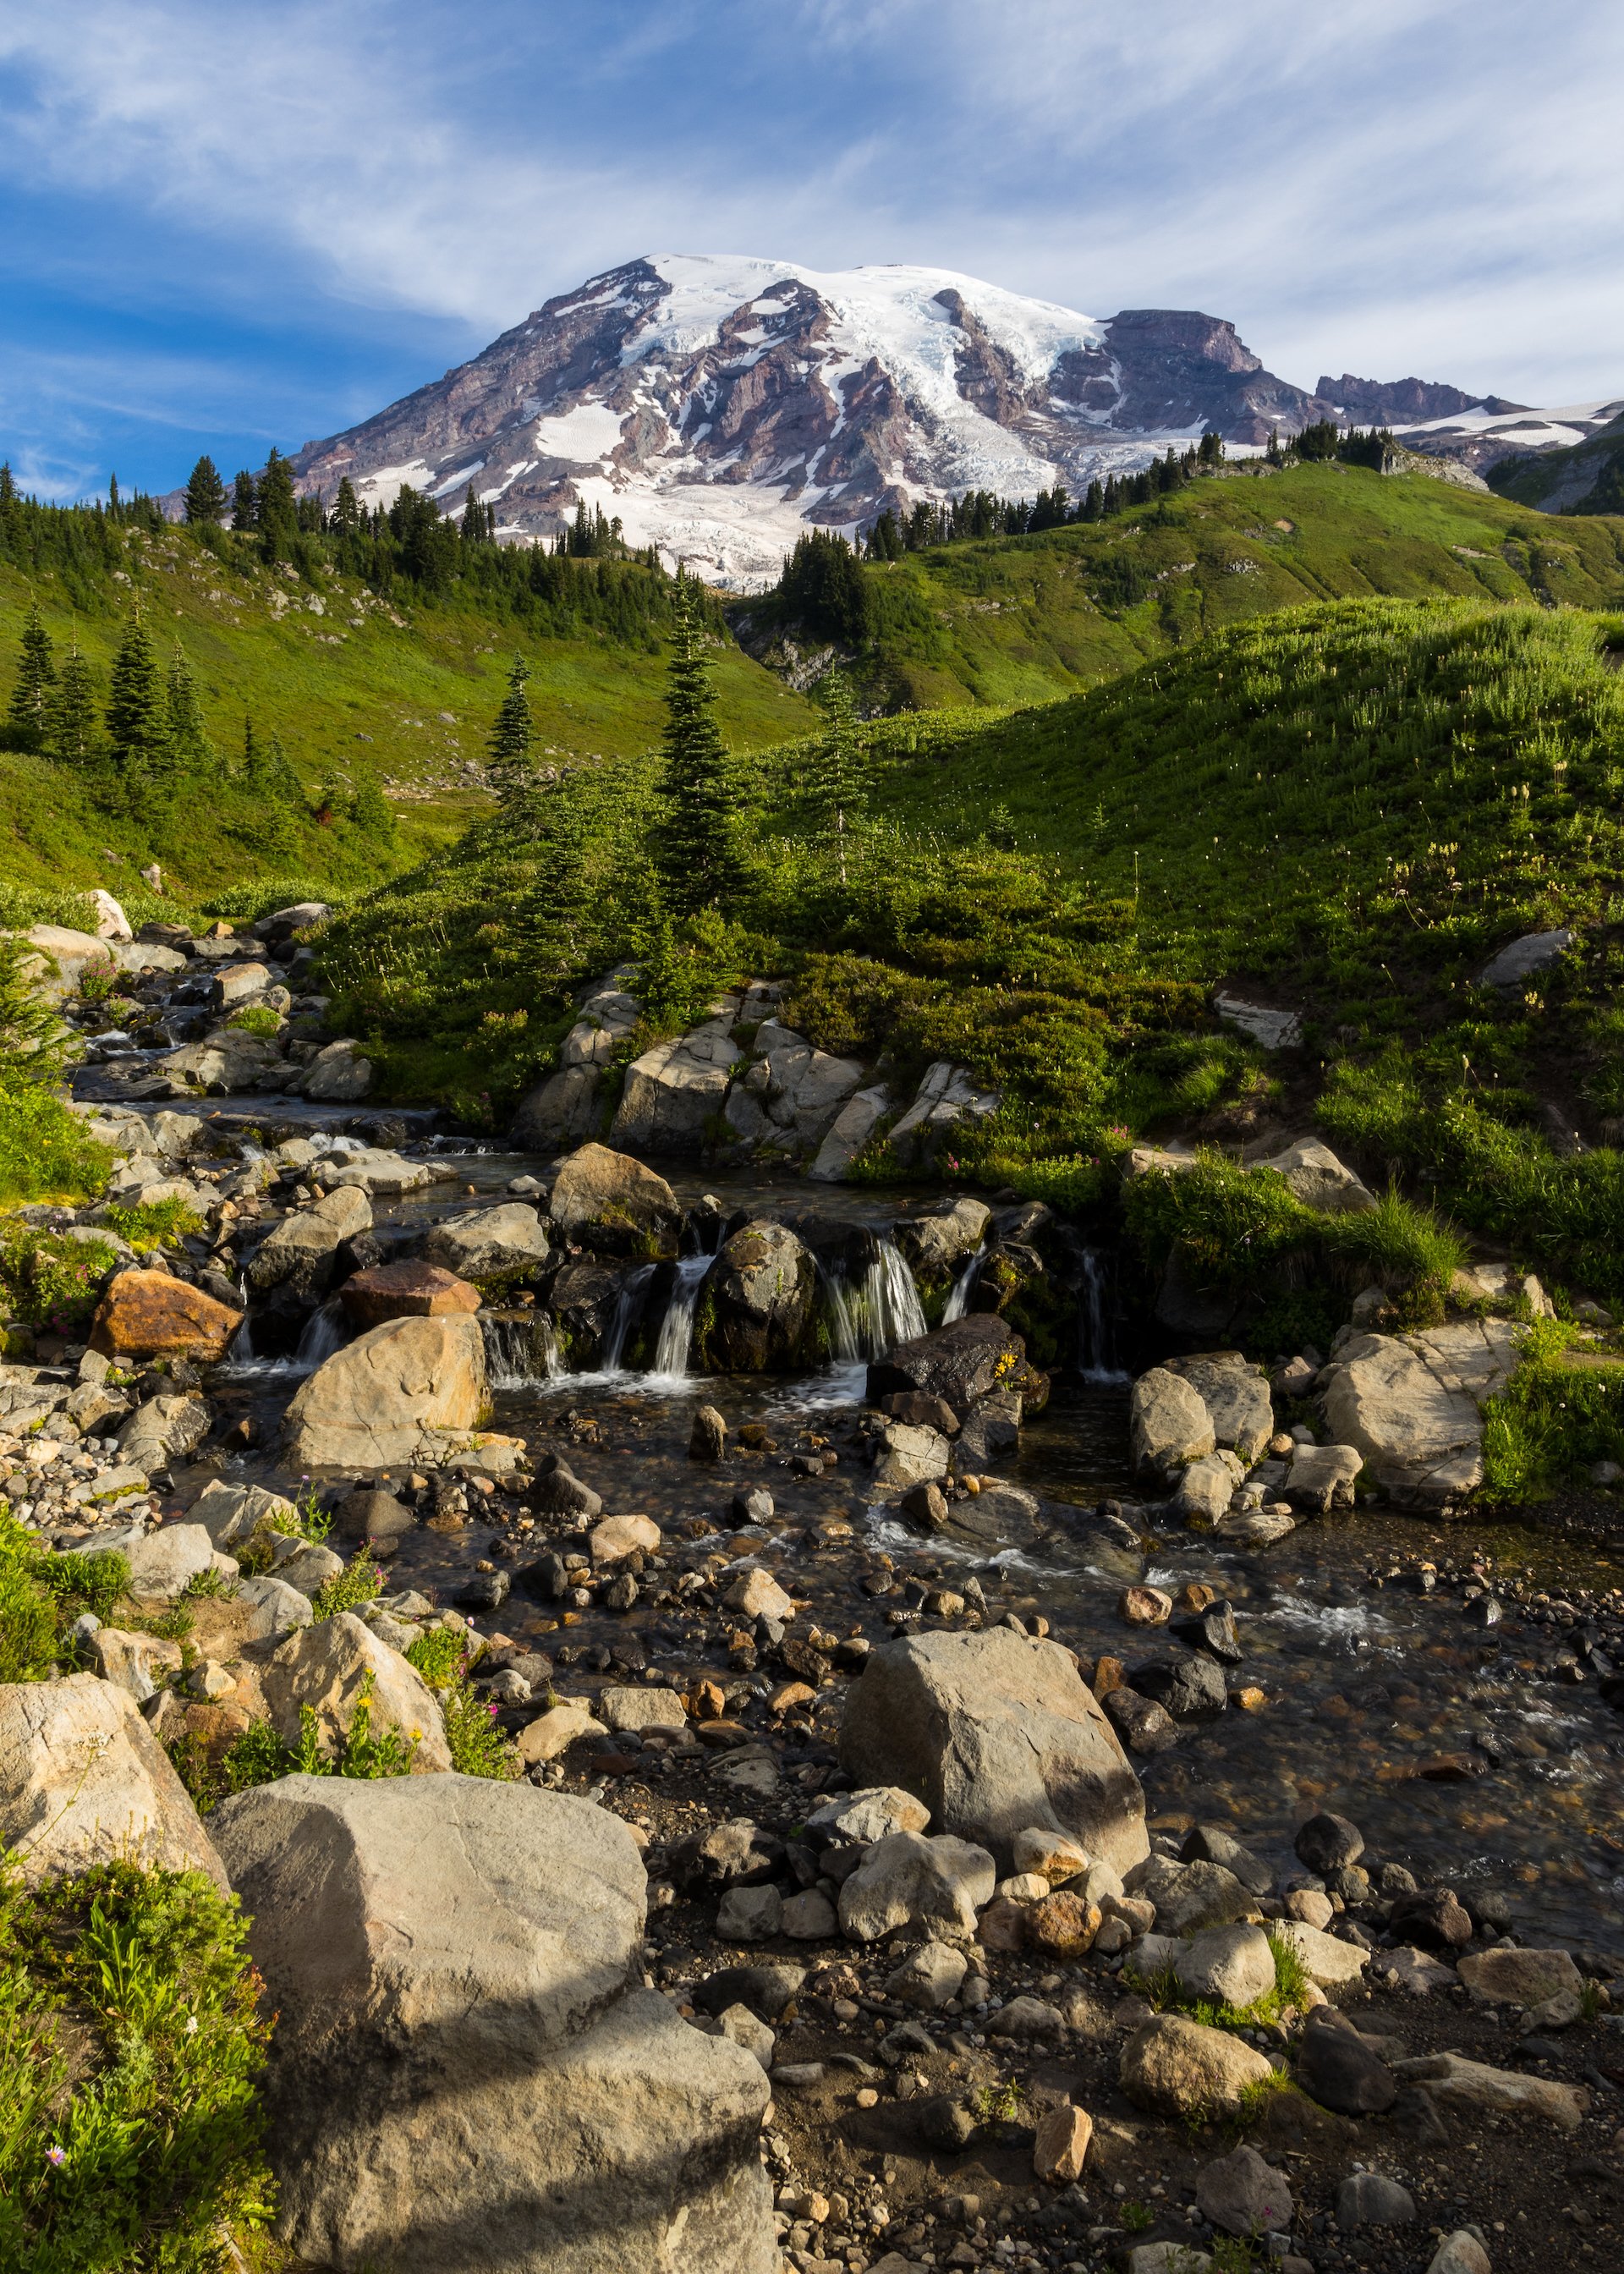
[(1019, 620), (360, 691)]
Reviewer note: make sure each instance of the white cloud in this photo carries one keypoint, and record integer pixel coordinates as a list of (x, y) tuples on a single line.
[(1395, 184)]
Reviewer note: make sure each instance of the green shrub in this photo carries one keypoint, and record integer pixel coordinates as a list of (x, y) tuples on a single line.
[(477, 1746), (45, 1151), (131, 2053), (260, 1755), (257, 1019), (48, 1280), (361, 1581), (42, 1593), (1553, 1420), (147, 1224)]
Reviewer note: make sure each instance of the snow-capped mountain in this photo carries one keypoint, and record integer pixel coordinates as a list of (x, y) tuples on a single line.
[(720, 405)]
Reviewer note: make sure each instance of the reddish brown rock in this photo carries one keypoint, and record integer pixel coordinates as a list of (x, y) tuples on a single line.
[(1062, 1926), (149, 1314), (405, 1291)]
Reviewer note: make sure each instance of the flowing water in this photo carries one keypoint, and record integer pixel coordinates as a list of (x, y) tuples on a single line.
[(964, 1286)]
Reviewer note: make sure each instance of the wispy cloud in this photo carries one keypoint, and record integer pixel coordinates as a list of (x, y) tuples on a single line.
[(1395, 185)]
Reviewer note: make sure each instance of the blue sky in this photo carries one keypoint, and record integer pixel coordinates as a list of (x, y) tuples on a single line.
[(225, 226)]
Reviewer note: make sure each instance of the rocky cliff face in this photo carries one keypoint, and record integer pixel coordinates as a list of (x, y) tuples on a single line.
[(720, 405)]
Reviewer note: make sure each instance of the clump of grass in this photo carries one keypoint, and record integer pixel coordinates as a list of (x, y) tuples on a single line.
[(216, 1586), (1166, 1992), (361, 1581), (1001, 2103), (477, 1745), (42, 1593), (1553, 1420), (257, 1019), (261, 1755), (147, 1224), (131, 2053), (47, 1280)]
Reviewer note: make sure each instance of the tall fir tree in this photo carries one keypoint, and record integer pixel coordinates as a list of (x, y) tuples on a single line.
[(834, 782), (346, 506), (190, 752), (206, 493), (695, 843), (136, 725), (245, 501), (72, 735), (278, 509), (28, 713), (512, 770)]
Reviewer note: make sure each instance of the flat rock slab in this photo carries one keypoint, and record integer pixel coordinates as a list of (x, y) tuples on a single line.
[(405, 1291)]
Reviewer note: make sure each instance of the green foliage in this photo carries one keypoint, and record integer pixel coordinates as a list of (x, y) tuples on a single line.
[(361, 1581), (257, 1019), (695, 847), (42, 1593), (34, 1044), (29, 711), (147, 1224), (259, 1755), (131, 2053), (45, 1154), (511, 764), (1555, 1417), (476, 1744), (1166, 1992), (50, 1280)]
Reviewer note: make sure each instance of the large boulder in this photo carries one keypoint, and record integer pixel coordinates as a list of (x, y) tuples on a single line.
[(1412, 1404), (337, 1075), (791, 1094), (334, 1669), (958, 1363), (151, 1315), (675, 1092), (907, 1882), (568, 1104), (1236, 1394), (1168, 1424), (405, 1291), (467, 2071), (598, 1190), (939, 1239), (83, 1782), (162, 1430), (757, 1307), (227, 1062), (996, 1734), (299, 1255), (490, 1243), (946, 1098), (398, 1394), (1313, 1175), (1174, 2066), (847, 1134)]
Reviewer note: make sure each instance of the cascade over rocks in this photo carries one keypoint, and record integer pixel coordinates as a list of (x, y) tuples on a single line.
[(456, 1961), (994, 1733)]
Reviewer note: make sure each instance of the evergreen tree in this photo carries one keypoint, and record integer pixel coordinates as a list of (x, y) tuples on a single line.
[(28, 713), (346, 507), (206, 493), (113, 509), (136, 727), (695, 854), (268, 776), (833, 788), (511, 768), (189, 748), (245, 501), (278, 509), (71, 734)]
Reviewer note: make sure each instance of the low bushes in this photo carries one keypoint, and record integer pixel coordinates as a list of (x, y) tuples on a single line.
[(42, 1593), (1553, 1420)]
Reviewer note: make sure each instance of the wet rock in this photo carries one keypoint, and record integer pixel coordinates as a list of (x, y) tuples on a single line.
[(597, 1191), (1236, 1394), (1326, 1843), (402, 1392), (1190, 1896), (472, 1974), (1451, 2078), (1233, 1964), (559, 1491), (1212, 1630), (996, 1734), (337, 1666), (83, 1781), (1244, 2193), (1145, 1607), (1520, 1977), (506, 1242), (1367, 2198), (405, 1291), (1172, 2066), (923, 1507), (1337, 2068), (1060, 2145), (1210, 1843), (1190, 1689), (941, 1237), (1146, 1727), (756, 1594), (708, 1438), (617, 1537), (1168, 1424), (1433, 1917), (906, 1880), (1206, 1489), (151, 1315), (907, 1455), (299, 1255), (1320, 1478), (958, 1363)]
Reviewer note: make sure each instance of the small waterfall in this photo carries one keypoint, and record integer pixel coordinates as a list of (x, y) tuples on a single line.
[(519, 1348), (964, 1286), (1096, 1356), (628, 1309), (883, 1310), (676, 1334), (319, 1339)]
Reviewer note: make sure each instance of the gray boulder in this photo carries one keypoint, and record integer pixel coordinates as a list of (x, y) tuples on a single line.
[(758, 1306), (1236, 1394), (1411, 1406), (300, 1252), (404, 1392), (467, 2071), (83, 1782), (336, 1668), (1536, 951), (337, 1074), (597, 1189), (946, 1098), (1320, 1478), (1168, 1424), (489, 1243), (906, 1880), (675, 1092), (848, 1133), (791, 1094), (1313, 1175), (996, 1734), (162, 1430)]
